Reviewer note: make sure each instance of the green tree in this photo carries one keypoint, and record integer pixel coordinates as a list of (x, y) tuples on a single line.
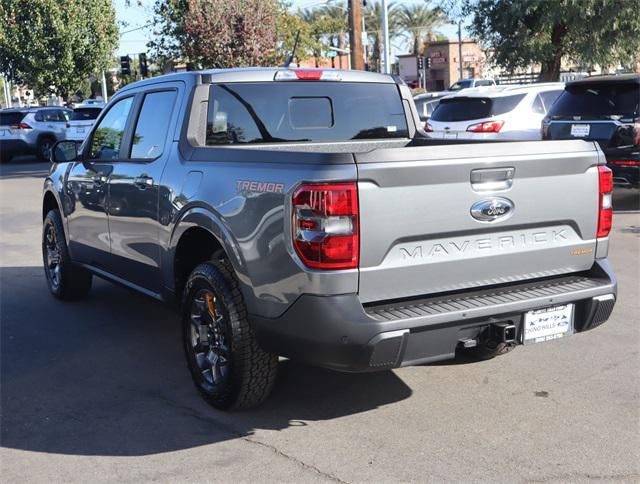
[(168, 30), (418, 20), (587, 32), (54, 46)]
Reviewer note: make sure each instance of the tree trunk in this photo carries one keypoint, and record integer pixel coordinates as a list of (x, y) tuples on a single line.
[(416, 44), (550, 69)]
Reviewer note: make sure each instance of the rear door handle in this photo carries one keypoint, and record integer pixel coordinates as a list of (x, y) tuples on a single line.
[(143, 182), (487, 179)]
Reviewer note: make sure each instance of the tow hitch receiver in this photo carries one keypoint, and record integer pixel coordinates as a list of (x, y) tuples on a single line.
[(504, 332)]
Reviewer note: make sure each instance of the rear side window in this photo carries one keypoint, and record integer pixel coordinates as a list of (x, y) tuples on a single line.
[(278, 112), (85, 114), (153, 124), (598, 100), (7, 119), (467, 108)]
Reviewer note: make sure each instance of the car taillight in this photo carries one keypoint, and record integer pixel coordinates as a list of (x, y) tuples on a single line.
[(428, 128), (20, 126), (624, 162), (486, 127), (325, 225), (605, 212)]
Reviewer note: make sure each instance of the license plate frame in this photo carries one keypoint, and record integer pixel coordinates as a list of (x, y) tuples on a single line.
[(580, 130), (449, 135), (547, 324)]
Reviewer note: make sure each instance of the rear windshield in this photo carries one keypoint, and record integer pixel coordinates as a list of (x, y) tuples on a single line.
[(309, 111), (598, 100), (467, 108), (84, 114), (460, 85), (10, 118)]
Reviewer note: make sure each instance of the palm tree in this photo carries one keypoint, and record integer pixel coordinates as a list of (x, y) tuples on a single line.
[(337, 20), (418, 20), (373, 24)]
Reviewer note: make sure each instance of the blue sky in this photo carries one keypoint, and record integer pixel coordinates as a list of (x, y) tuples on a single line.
[(139, 15)]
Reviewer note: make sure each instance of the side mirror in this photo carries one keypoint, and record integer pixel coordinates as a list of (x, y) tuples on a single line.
[(64, 151)]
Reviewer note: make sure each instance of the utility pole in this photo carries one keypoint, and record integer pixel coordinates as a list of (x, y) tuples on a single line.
[(355, 34), (104, 89), (460, 46), (385, 35)]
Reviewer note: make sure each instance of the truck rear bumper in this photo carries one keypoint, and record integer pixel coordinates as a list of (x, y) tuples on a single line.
[(339, 332)]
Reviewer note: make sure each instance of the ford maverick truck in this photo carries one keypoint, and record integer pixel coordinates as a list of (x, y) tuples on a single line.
[(303, 213)]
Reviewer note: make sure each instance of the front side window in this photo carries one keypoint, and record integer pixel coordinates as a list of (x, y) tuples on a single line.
[(279, 112), (153, 124), (107, 137)]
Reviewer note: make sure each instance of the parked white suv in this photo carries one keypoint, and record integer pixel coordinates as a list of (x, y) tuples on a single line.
[(501, 112), (82, 119)]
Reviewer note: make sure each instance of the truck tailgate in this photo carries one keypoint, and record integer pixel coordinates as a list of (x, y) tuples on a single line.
[(418, 235)]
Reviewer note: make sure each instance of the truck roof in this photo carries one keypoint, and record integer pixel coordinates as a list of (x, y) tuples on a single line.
[(259, 74)]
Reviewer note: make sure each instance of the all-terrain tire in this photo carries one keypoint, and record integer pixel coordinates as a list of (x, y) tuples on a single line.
[(66, 281), (250, 371)]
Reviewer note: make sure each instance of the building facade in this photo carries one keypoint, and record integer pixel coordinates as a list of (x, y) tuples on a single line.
[(445, 64)]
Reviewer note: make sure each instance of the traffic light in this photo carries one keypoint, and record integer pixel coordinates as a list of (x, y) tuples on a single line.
[(144, 69), (125, 65), (420, 60), (428, 62)]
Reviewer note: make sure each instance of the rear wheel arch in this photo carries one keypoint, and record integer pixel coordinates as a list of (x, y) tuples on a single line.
[(196, 238)]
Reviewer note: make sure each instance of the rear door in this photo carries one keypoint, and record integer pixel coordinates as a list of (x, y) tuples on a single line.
[(419, 235), (134, 188)]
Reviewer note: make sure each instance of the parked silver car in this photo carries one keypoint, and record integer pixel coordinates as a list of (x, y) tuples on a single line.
[(31, 131)]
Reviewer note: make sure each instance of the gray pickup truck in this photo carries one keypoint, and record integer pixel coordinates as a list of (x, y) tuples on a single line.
[(303, 213)]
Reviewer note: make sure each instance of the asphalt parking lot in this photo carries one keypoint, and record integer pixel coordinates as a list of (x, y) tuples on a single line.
[(98, 391)]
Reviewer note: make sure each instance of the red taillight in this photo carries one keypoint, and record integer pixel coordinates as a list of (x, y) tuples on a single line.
[(325, 225), (311, 75), (624, 162), (428, 128), (486, 127), (307, 75), (20, 126), (605, 213)]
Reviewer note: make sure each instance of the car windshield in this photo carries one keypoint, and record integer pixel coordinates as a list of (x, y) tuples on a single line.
[(468, 108), (9, 118), (84, 114), (598, 100), (272, 112), (461, 85)]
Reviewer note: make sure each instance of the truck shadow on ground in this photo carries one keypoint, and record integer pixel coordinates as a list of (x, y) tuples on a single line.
[(106, 376)]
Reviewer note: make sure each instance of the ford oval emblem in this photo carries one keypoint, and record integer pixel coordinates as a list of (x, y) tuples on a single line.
[(492, 209)]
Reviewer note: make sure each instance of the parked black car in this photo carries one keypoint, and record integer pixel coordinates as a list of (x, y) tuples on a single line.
[(605, 109)]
